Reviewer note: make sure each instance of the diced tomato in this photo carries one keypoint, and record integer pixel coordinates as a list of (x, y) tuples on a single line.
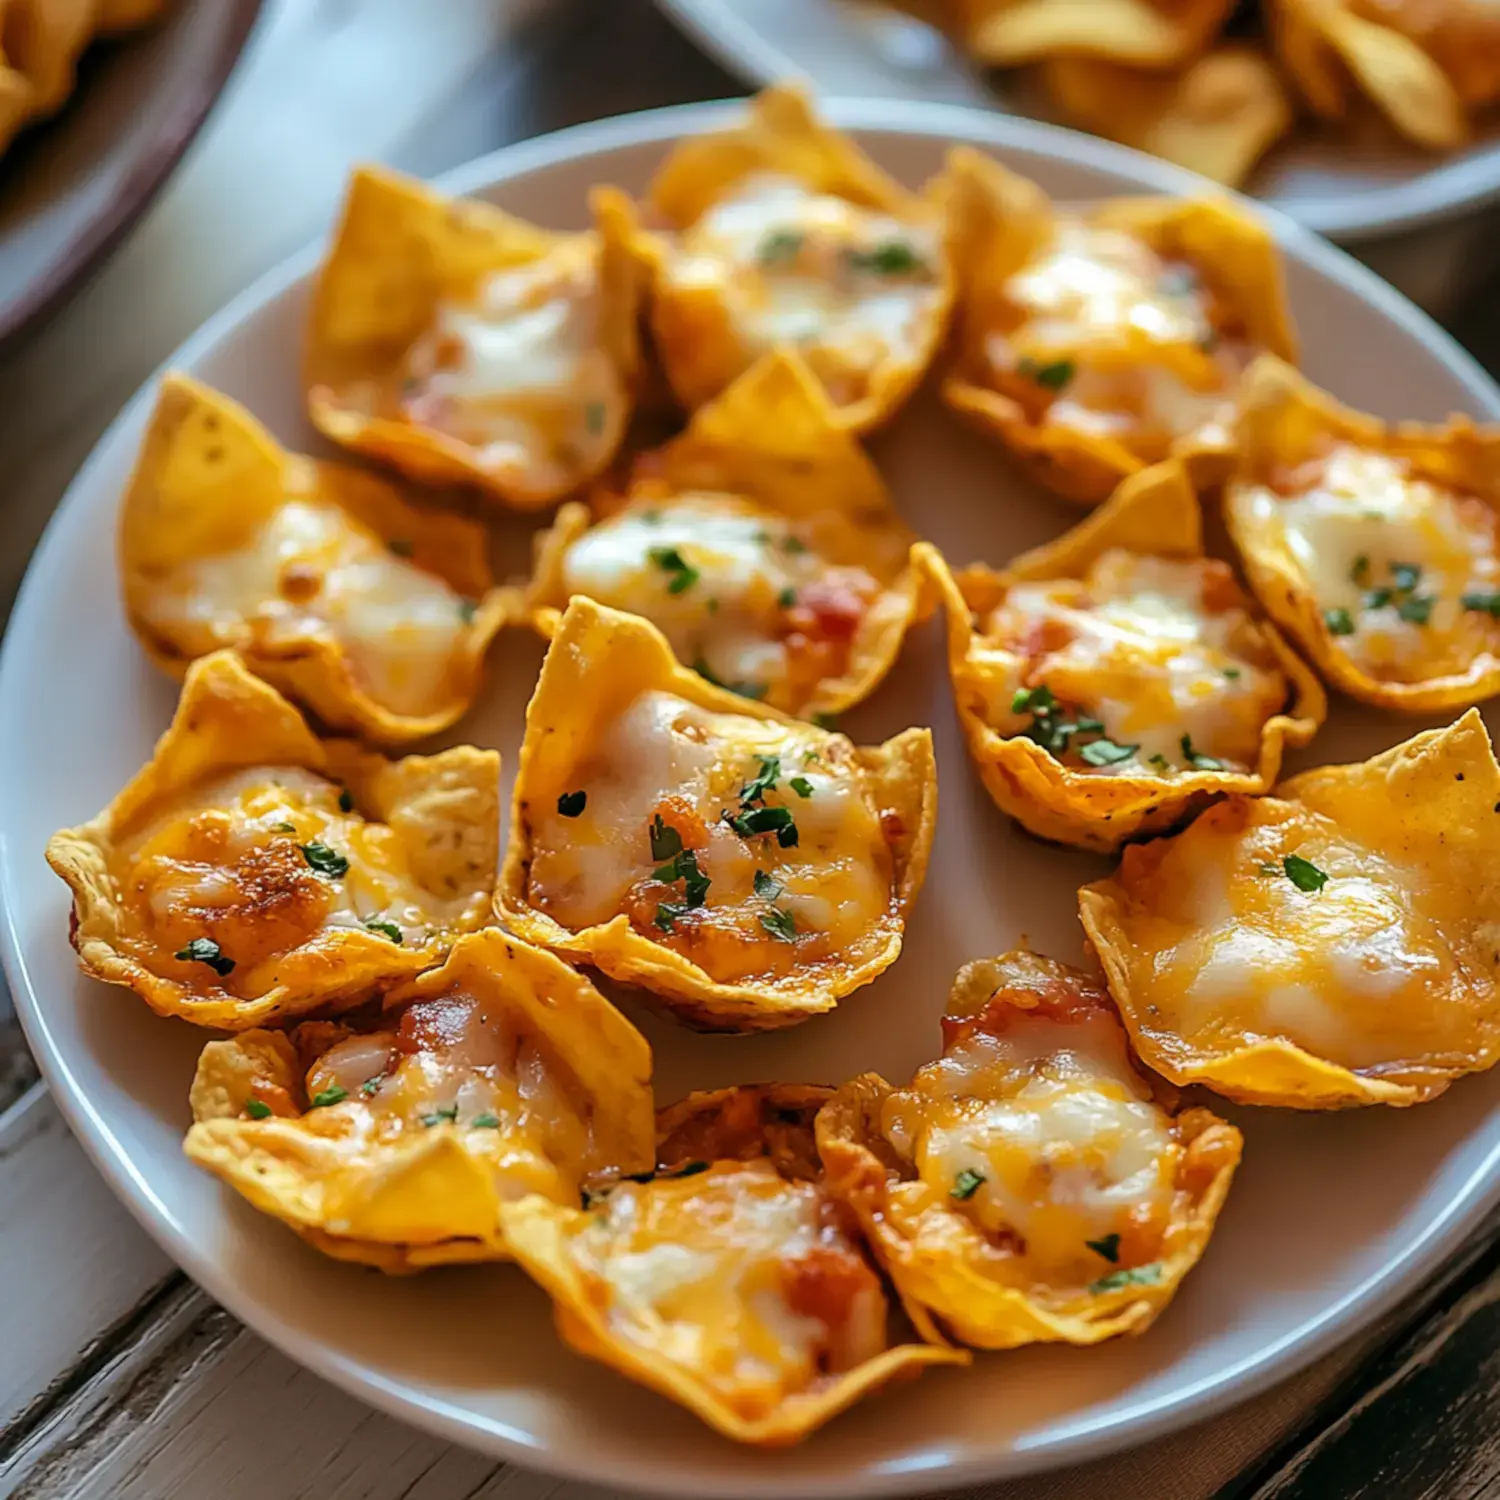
[(825, 1282)]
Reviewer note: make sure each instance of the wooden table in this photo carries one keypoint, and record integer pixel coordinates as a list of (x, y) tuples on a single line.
[(118, 1378)]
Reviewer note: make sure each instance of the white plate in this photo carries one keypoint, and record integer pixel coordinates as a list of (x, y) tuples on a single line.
[(1351, 191), (1333, 1217)]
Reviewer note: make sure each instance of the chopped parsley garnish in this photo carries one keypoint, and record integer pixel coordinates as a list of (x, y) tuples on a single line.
[(486, 1121), (333, 1094), (966, 1184), (1107, 1245), (1161, 762), (767, 886), (764, 781), (386, 929), (681, 574), (570, 804), (1417, 609), (793, 545), (1052, 376), (324, 860), (758, 820), (801, 785), (1102, 752), (665, 840), (668, 912), (1232, 673), (825, 720), (1339, 621), (780, 924), (593, 418), (371, 1086), (346, 802), (400, 546), (1147, 1275), (467, 609), (1405, 576), (1414, 608), (780, 245), (889, 258), (1303, 873), (205, 951), (1360, 572), (257, 1109), (1197, 761), (683, 866), (1485, 603), (786, 598), (439, 1115)]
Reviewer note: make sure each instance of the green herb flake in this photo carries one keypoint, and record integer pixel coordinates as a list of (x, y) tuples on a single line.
[(1485, 603), (324, 860), (889, 258), (668, 912), (205, 951), (779, 246), (767, 886), (1197, 761), (1161, 762), (438, 1116), (665, 840), (1405, 576), (777, 820), (371, 1086), (1339, 621), (780, 924), (684, 867), (467, 609), (1051, 376), (386, 930), (681, 574), (826, 721), (1417, 609), (764, 781), (787, 598), (333, 1094), (966, 1184), (1303, 873), (1232, 673), (1103, 752), (257, 1109), (1360, 572), (486, 1121), (1106, 1245), (801, 785), (283, 828), (570, 804), (400, 546), (1147, 1275), (346, 802), (793, 546)]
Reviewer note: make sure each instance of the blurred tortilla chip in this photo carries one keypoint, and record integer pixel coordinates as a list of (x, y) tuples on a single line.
[(1145, 33)]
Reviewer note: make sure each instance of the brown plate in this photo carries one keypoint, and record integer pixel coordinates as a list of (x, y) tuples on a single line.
[(71, 186)]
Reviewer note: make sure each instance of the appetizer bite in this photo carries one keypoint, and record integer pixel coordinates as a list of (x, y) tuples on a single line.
[(252, 872), (393, 1140), (761, 542), (1033, 1184), (1093, 343), (745, 869), (1331, 945), (782, 232), (373, 612), (1375, 547), (1144, 33), (1218, 115), (1424, 64), (1113, 682), (462, 345), (730, 1280)]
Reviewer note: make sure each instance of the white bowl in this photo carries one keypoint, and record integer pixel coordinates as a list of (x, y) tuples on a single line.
[(1333, 1217)]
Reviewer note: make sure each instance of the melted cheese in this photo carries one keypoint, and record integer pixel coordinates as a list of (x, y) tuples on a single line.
[(1062, 1133), (1147, 363), (757, 593), (1359, 972), (738, 1276), (1136, 646), (665, 756), (520, 375), (794, 267), (1348, 521), (311, 572), (225, 861)]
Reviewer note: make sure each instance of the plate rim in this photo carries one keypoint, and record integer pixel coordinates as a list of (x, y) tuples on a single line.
[(1469, 1202), (1448, 191)]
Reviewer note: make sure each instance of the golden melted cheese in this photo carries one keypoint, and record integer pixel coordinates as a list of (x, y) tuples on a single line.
[(1405, 571), (1159, 652), (1126, 343), (228, 861), (664, 757), (520, 375), (742, 1278), (311, 570), (735, 588), (1359, 972), (1052, 1138), (849, 287)]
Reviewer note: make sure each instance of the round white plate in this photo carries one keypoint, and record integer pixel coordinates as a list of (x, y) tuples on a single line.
[(1349, 190), (1333, 1217)]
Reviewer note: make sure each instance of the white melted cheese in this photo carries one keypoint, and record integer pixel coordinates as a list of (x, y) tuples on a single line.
[(312, 571), (1351, 519), (1140, 651), (520, 374), (815, 291), (1066, 1140)]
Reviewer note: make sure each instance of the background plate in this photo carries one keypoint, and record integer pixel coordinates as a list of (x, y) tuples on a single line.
[(1333, 1216), (1349, 190)]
